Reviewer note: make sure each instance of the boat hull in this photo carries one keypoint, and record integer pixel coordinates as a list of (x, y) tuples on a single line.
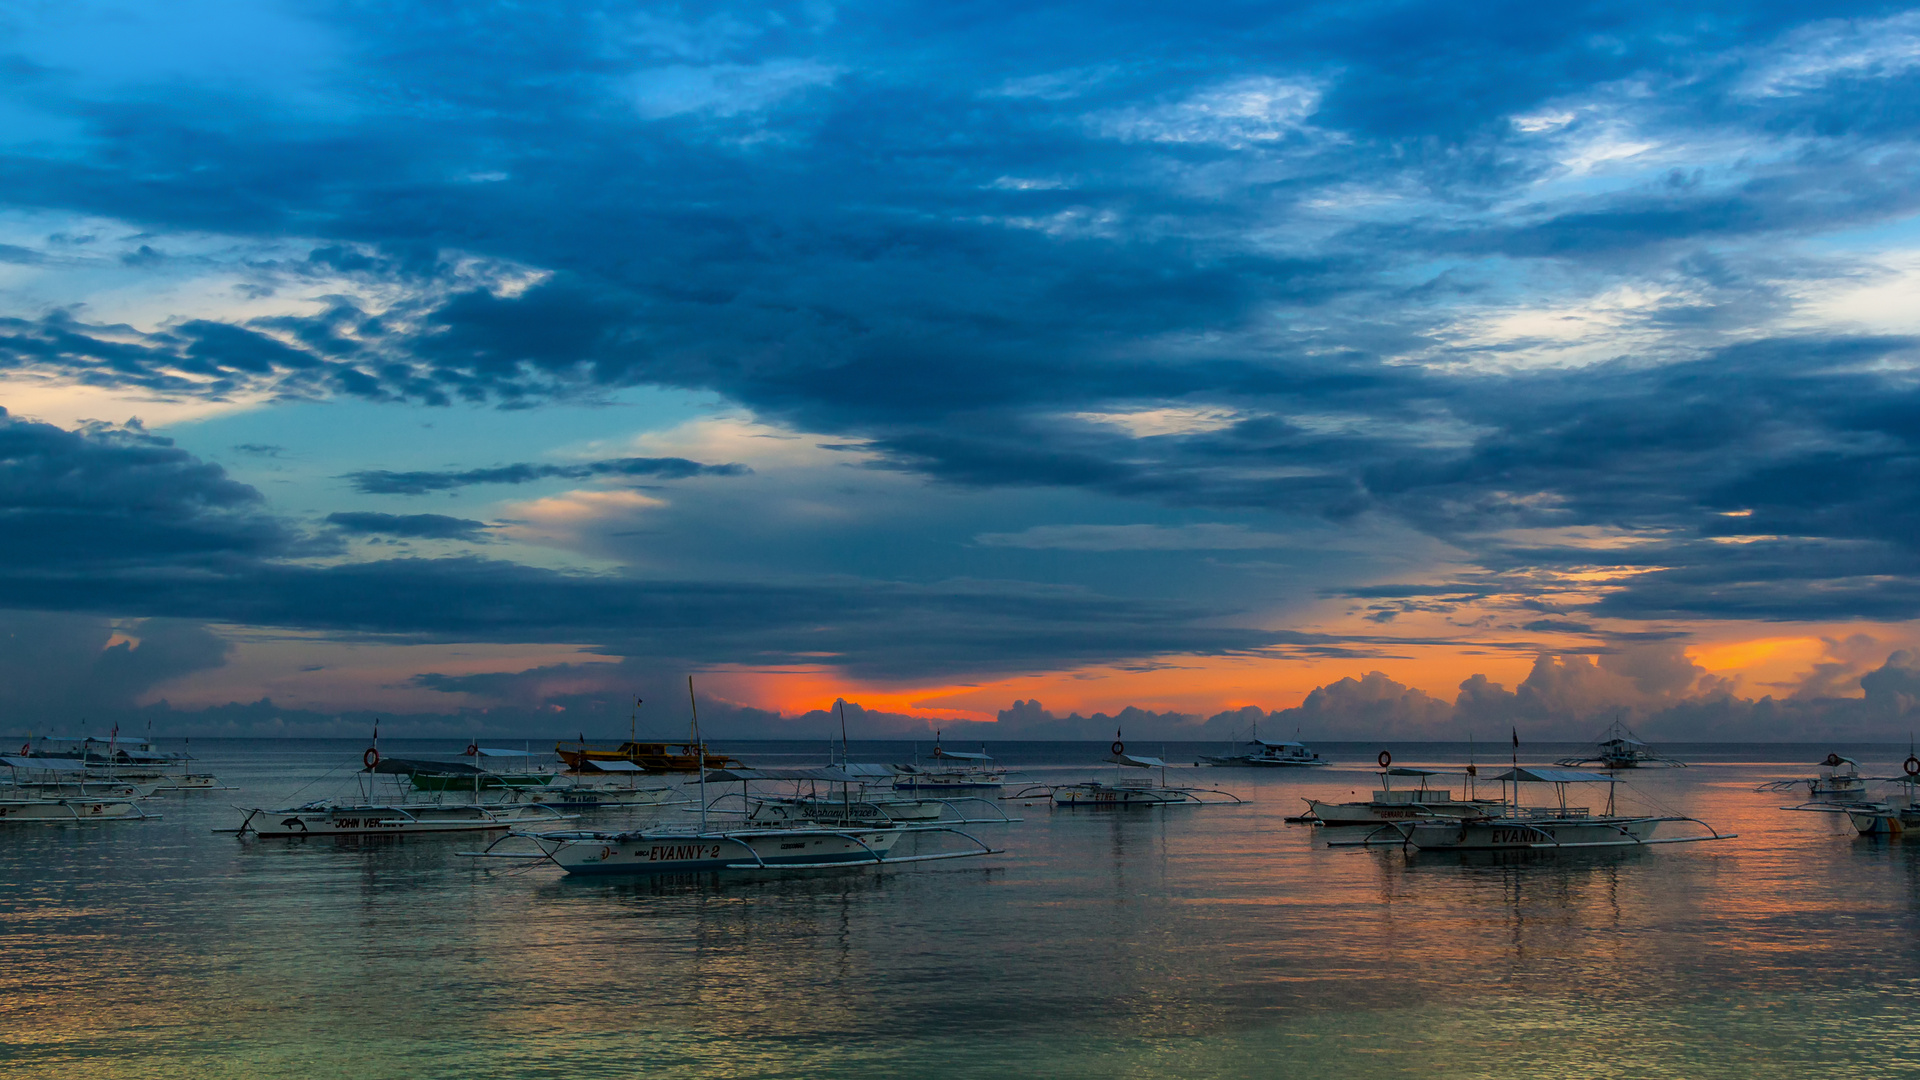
[(670, 853), (1520, 834)]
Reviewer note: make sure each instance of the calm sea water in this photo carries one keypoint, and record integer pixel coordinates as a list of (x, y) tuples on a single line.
[(1200, 942)]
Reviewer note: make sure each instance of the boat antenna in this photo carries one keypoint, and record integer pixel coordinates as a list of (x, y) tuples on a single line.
[(846, 754), (1516, 748), (700, 753), (633, 721)]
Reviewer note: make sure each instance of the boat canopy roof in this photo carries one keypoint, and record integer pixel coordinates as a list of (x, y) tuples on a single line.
[(488, 751), (605, 765), (1279, 745), (1843, 760), (50, 764), (409, 766), (1402, 770), (942, 752), (1541, 775), (1622, 740), (1137, 761)]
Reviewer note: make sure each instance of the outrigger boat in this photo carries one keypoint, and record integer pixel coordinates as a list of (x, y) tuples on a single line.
[(367, 816), (1270, 755), (1512, 826), (327, 817), (41, 778), (429, 775), (130, 760), (1389, 805), (845, 794), (1841, 782), (654, 757), (1897, 811), (1619, 748), (48, 808), (764, 844), (609, 783), (1127, 792), (961, 772)]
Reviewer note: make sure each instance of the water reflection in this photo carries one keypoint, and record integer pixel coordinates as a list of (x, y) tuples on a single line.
[(1176, 942)]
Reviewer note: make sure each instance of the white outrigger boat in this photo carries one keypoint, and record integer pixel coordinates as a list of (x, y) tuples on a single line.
[(328, 817), (1513, 826), (604, 783), (131, 760), (1620, 748), (1893, 814), (1389, 804), (1127, 792), (69, 798), (954, 771), (845, 794), (771, 841), (1269, 755), (1841, 782), (367, 815)]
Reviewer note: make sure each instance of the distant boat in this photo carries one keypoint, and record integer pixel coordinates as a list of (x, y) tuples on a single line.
[(955, 771), (1619, 748), (366, 814), (1841, 782), (1272, 755), (129, 759), (655, 757), (1403, 804), (767, 834), (53, 791), (1139, 790), (845, 794), (1553, 826)]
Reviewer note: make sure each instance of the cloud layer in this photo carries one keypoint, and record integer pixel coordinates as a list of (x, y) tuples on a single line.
[(1102, 336)]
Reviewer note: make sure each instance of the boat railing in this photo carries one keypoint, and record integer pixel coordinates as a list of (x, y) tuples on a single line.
[(1541, 813)]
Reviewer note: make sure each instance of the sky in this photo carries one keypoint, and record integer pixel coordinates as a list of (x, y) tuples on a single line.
[(1362, 370)]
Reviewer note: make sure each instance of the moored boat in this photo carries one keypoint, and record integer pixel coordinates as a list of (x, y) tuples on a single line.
[(1841, 782), (1553, 826), (1390, 804), (1140, 790), (1619, 748), (335, 818), (1271, 755), (953, 771)]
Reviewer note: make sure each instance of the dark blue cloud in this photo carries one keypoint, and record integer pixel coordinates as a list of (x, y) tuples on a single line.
[(945, 235), (382, 482), (420, 526)]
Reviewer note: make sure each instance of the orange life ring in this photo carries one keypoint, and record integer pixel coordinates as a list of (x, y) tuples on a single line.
[(1912, 765), (26, 750), (1385, 759), (1119, 748), (472, 750), (371, 757), (1833, 761)]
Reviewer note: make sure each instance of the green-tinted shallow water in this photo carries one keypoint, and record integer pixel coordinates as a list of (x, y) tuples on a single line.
[(1215, 942)]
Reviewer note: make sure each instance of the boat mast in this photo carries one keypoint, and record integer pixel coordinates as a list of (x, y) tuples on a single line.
[(700, 749)]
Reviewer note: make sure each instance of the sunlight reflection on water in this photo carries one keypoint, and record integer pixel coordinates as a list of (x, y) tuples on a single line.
[(1215, 942)]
